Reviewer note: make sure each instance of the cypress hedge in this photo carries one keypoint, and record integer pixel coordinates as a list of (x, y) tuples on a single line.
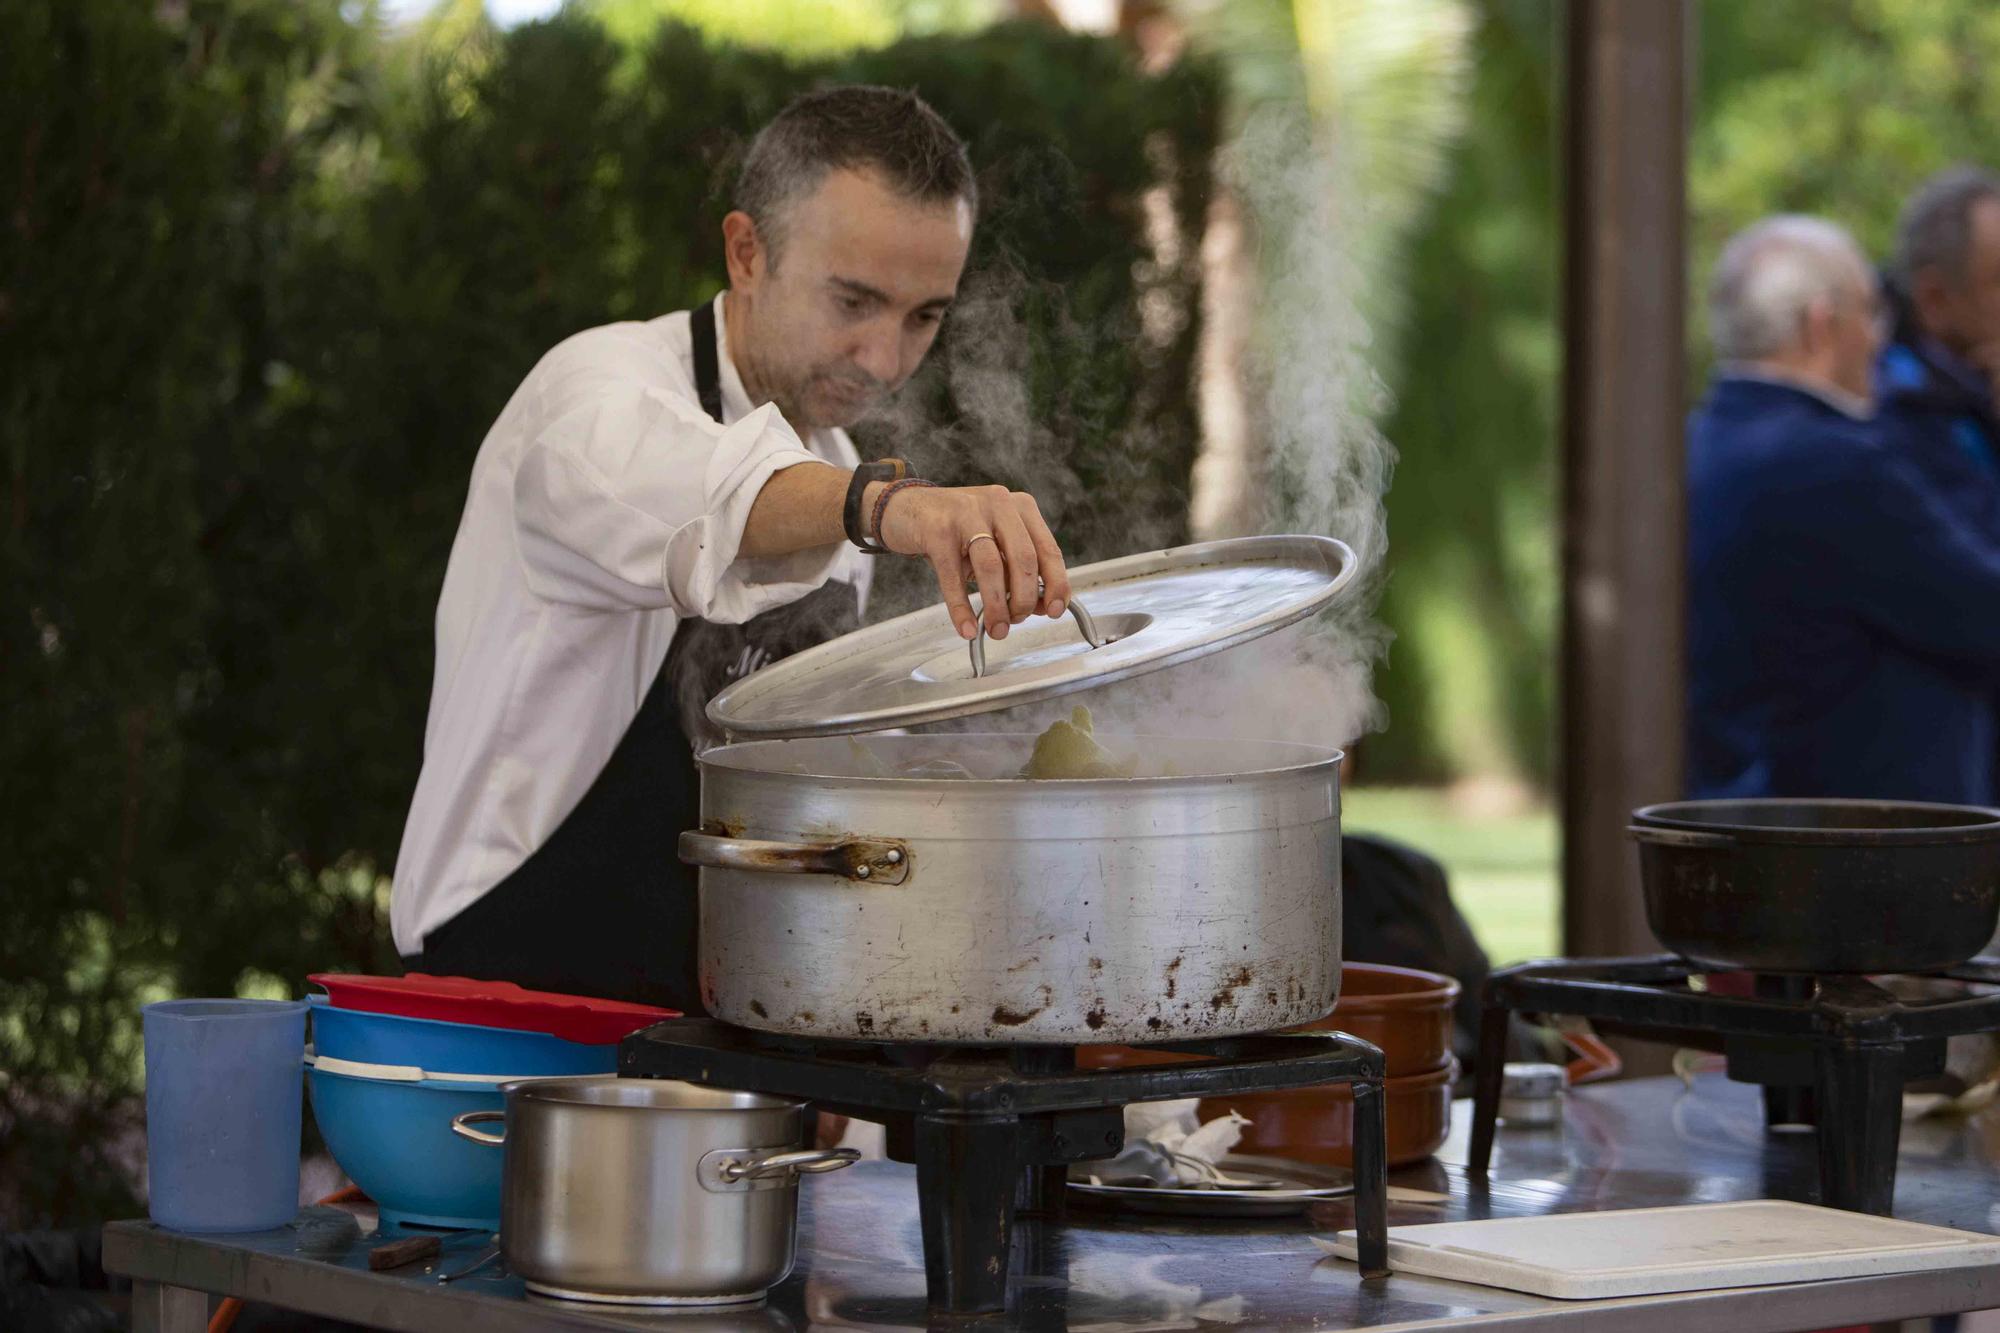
[(269, 274)]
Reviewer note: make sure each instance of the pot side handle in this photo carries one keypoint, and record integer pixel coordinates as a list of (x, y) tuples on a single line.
[(1675, 837), (864, 860), (810, 1162), (461, 1125)]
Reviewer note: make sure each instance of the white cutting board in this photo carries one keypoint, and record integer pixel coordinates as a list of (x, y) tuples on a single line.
[(1689, 1247)]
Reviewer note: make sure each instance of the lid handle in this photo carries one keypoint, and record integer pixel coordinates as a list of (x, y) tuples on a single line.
[(1084, 624)]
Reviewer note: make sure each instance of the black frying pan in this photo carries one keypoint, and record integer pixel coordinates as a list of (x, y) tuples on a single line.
[(1820, 885)]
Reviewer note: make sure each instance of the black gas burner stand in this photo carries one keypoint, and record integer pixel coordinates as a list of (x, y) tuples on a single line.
[(993, 1129), (1832, 1051)]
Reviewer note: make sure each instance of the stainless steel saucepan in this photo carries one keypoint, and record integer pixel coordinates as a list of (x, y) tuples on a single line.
[(649, 1191)]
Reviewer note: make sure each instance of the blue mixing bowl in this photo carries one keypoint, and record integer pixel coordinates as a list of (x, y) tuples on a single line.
[(450, 1048), (394, 1139)]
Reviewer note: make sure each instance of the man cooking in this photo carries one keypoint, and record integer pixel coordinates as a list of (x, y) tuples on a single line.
[(664, 506)]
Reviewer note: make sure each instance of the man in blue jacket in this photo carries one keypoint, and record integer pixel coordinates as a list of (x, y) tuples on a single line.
[(1844, 620), (1936, 377)]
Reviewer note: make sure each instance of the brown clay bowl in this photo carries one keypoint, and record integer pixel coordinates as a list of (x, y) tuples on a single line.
[(1405, 1012), (1317, 1124)]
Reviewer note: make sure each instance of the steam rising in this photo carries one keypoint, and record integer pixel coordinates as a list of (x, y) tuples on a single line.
[(1326, 465), (1380, 101), (1312, 398)]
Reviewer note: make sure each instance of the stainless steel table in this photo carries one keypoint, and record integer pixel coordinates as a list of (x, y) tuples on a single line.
[(1624, 1145)]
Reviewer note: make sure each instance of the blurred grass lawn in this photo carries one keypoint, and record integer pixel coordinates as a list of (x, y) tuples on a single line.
[(1503, 868)]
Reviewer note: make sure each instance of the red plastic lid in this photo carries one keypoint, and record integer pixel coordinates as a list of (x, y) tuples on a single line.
[(490, 1004)]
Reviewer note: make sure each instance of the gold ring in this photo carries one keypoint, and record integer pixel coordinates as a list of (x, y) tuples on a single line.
[(978, 537)]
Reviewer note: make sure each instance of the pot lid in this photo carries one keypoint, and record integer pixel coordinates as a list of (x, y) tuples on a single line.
[(1145, 612)]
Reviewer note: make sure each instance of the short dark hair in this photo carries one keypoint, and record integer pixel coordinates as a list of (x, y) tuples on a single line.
[(1935, 230), (889, 130)]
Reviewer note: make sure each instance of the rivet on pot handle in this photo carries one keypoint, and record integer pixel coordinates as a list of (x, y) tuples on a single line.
[(462, 1123), (732, 1170), (1678, 837), (866, 860)]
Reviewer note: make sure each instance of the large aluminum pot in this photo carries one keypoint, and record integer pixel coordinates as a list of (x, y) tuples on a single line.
[(849, 891), (649, 1191)]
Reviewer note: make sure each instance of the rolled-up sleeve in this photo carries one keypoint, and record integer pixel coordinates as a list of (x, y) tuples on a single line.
[(633, 498)]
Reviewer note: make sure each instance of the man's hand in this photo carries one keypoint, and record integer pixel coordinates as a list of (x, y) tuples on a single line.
[(989, 535)]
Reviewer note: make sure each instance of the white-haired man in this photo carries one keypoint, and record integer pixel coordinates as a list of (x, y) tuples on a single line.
[(1844, 621)]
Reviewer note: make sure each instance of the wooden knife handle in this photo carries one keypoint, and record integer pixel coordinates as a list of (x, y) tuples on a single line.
[(399, 1252)]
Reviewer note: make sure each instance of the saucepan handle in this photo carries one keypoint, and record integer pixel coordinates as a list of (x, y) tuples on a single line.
[(1679, 837), (865, 860), (810, 1162), (462, 1123), (744, 1170)]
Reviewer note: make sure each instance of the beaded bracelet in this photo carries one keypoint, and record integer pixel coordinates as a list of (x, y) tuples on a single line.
[(882, 504)]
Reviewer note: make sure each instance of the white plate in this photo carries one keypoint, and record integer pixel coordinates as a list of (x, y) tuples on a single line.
[(1287, 1187)]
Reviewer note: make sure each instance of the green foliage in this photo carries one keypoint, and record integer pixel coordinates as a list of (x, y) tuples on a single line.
[(1836, 107), (795, 27), (1471, 596), (270, 279), (151, 163)]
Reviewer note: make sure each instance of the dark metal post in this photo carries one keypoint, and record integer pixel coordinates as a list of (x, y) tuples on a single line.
[(968, 1229), (1857, 1150), (1624, 405), (1371, 1187), (1488, 1082)]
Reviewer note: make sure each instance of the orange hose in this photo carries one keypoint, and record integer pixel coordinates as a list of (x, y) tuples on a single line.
[(225, 1314), (1594, 1059)]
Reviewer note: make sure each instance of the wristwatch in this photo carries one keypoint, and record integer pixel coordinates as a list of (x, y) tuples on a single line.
[(882, 469)]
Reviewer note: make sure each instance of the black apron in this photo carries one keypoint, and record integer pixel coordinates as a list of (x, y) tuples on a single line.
[(605, 907)]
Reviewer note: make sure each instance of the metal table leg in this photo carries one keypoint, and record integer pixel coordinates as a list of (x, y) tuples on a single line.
[(1857, 1152), (1371, 1185), (968, 1231), (1486, 1084), (159, 1308)]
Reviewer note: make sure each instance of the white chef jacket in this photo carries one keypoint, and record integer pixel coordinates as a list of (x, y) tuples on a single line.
[(605, 505)]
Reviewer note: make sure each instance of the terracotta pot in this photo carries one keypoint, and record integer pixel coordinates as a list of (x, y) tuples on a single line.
[(1317, 1124), (1126, 1057), (1405, 1012)]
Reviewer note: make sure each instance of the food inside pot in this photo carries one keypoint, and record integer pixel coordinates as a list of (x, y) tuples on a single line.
[(1070, 749), (999, 757)]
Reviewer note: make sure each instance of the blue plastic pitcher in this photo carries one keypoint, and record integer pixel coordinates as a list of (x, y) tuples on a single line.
[(223, 1083)]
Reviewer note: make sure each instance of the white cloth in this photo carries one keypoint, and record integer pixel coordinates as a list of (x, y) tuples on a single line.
[(605, 506)]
